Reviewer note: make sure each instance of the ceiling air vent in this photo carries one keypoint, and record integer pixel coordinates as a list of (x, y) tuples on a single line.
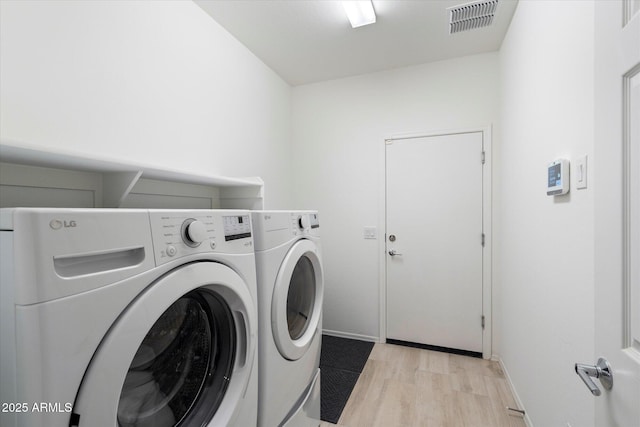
[(472, 15)]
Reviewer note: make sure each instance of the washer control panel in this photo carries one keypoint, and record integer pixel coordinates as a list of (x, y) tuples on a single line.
[(180, 233)]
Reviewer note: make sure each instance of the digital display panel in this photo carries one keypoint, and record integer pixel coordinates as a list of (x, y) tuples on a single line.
[(315, 222), (236, 227), (555, 176)]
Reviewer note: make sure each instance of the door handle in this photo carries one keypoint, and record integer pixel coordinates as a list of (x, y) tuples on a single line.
[(393, 252), (602, 370)]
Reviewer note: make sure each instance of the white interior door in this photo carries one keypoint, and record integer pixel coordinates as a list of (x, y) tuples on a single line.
[(434, 240), (617, 213)]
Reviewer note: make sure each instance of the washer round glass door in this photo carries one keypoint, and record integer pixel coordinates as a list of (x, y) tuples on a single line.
[(181, 354), (297, 300), (185, 359)]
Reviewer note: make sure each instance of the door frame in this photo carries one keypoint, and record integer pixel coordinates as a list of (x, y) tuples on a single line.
[(487, 185)]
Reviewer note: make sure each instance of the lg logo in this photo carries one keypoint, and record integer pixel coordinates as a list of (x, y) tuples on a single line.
[(57, 224)]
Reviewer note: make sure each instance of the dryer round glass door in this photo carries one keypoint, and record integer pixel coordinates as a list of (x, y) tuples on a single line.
[(301, 297), (296, 307), (181, 354)]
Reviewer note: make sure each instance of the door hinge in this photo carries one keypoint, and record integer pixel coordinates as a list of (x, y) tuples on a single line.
[(483, 157), (482, 321), (482, 240)]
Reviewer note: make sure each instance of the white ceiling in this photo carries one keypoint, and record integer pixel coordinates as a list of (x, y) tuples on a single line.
[(307, 41)]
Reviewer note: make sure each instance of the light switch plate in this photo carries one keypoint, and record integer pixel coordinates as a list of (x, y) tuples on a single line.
[(580, 172), (370, 233)]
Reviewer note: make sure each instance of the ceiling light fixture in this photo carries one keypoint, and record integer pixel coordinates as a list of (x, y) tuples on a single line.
[(359, 12)]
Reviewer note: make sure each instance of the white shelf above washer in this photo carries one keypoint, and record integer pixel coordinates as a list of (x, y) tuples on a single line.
[(32, 176)]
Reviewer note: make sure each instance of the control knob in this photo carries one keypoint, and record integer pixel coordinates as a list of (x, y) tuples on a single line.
[(194, 232), (303, 222)]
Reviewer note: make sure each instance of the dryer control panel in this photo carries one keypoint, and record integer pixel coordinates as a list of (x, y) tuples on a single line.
[(274, 228), (304, 222), (179, 233)]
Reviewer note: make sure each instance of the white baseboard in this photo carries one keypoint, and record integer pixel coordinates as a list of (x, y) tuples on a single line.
[(526, 418), (350, 335)]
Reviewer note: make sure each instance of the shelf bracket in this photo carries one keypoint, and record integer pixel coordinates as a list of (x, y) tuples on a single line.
[(116, 187)]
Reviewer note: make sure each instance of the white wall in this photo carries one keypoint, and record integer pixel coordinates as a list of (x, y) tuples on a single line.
[(158, 83), (544, 287), (339, 129)]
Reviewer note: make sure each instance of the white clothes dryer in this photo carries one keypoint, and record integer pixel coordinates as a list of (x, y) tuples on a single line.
[(290, 294), (116, 317)]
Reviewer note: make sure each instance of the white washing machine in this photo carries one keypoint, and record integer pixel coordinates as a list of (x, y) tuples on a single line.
[(290, 293), (127, 318)]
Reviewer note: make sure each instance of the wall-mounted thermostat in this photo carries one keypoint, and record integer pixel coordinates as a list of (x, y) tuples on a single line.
[(558, 177)]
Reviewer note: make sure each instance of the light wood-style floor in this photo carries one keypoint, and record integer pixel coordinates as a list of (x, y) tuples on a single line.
[(403, 386)]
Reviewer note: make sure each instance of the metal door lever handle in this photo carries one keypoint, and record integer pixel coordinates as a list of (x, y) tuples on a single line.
[(602, 371), (393, 252)]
